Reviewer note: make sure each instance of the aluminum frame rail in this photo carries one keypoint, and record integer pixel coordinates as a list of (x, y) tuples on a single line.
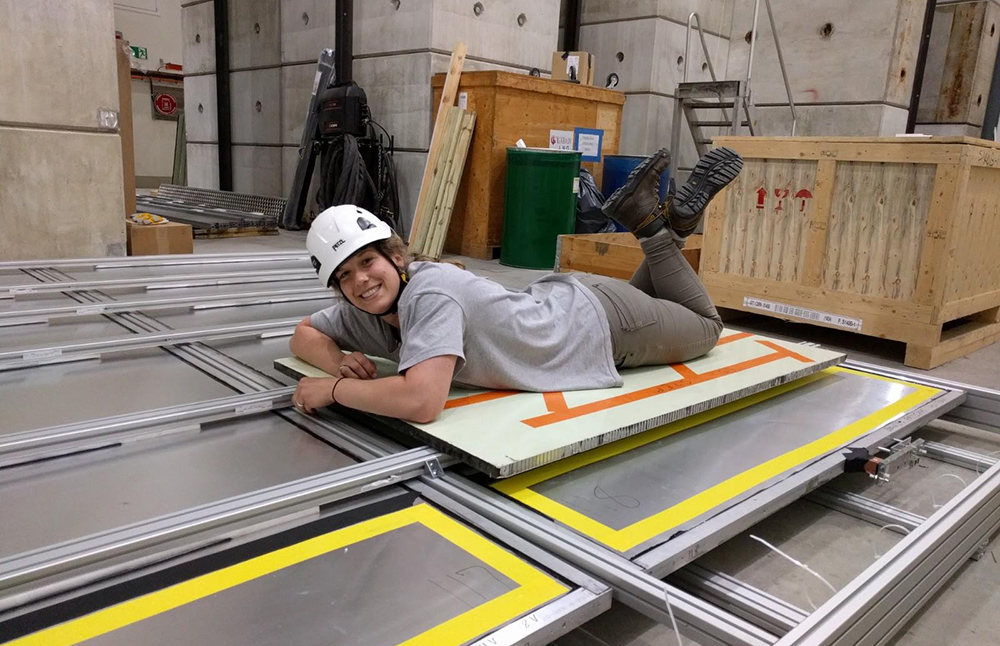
[(155, 261), (981, 408), (162, 282), (31, 567), (879, 601), (767, 611), (208, 301), (88, 350), (959, 457), (64, 439)]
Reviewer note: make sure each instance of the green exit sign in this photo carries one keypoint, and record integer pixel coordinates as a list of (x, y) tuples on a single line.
[(139, 52)]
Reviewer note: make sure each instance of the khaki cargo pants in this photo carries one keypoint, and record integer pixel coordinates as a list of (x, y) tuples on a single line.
[(663, 315)]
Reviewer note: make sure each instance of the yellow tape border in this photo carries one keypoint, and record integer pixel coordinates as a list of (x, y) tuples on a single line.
[(534, 587), (519, 487)]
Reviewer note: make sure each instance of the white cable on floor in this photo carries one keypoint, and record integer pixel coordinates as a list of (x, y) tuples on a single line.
[(798, 563), (934, 501), (673, 621), (875, 545)]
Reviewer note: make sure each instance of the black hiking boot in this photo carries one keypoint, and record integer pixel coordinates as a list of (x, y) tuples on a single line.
[(636, 205), (711, 174)]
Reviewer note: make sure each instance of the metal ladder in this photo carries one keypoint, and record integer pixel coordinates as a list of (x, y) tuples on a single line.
[(694, 97)]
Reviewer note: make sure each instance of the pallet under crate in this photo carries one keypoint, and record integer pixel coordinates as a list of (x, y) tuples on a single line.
[(895, 238)]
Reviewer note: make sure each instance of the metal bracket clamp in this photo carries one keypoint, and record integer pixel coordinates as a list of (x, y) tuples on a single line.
[(433, 468), (904, 454)]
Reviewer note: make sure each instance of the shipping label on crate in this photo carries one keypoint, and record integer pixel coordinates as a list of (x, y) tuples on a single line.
[(803, 313), (588, 142)]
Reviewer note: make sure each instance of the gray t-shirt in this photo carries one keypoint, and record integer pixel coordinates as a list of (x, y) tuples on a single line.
[(552, 336)]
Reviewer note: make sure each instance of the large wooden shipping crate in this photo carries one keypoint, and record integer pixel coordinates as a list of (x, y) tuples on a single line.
[(891, 237), (509, 107)]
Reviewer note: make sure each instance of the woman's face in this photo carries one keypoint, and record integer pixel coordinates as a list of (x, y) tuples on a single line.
[(369, 281)]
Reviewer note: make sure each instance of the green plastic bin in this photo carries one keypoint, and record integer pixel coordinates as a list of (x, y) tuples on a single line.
[(539, 205)]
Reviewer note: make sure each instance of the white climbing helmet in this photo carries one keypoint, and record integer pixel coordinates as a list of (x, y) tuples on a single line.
[(337, 233)]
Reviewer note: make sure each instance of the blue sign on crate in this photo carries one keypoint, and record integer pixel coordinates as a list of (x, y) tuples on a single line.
[(588, 141)]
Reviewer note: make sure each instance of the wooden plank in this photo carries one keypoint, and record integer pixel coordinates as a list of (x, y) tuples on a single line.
[(949, 182), (957, 342), (974, 239), (450, 91), (884, 326), (519, 81), (424, 216), (870, 151), (819, 218), (880, 317), (715, 231), (443, 219), (970, 305)]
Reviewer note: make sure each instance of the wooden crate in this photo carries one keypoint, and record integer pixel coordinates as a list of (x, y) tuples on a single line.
[(890, 237), (509, 107), (611, 254)]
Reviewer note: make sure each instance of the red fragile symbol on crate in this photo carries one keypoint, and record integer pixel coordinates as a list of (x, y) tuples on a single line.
[(782, 194)]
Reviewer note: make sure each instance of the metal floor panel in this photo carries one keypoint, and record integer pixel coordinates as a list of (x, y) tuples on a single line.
[(181, 270), (120, 383), (259, 354), (55, 501), (34, 302), (624, 495), (234, 289), (182, 319), (355, 586), (57, 331), (9, 278)]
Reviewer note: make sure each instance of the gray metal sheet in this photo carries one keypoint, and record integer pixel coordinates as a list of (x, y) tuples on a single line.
[(629, 487), (235, 289), (34, 301), (15, 278), (57, 331), (113, 273), (59, 500), (118, 384), (259, 354), (373, 593), (182, 319)]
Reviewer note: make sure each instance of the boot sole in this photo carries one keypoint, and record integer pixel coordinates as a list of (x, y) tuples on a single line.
[(627, 189), (713, 172)]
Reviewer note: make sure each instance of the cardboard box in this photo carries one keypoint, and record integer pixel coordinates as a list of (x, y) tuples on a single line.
[(563, 63), (156, 239)]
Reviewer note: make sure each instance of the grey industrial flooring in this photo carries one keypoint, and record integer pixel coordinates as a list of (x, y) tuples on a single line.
[(964, 613)]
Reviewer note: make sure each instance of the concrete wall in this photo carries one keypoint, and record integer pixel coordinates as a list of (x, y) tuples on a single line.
[(155, 25), (850, 64), (274, 45), (61, 190), (643, 43)]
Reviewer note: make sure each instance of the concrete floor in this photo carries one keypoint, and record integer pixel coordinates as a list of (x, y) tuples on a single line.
[(964, 613)]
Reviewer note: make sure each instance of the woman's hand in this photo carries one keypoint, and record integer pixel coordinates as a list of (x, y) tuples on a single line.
[(357, 366), (313, 393)]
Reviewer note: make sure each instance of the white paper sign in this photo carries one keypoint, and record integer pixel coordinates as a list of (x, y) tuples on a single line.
[(572, 62), (803, 313), (561, 139), (589, 145), (576, 186), (463, 100)]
